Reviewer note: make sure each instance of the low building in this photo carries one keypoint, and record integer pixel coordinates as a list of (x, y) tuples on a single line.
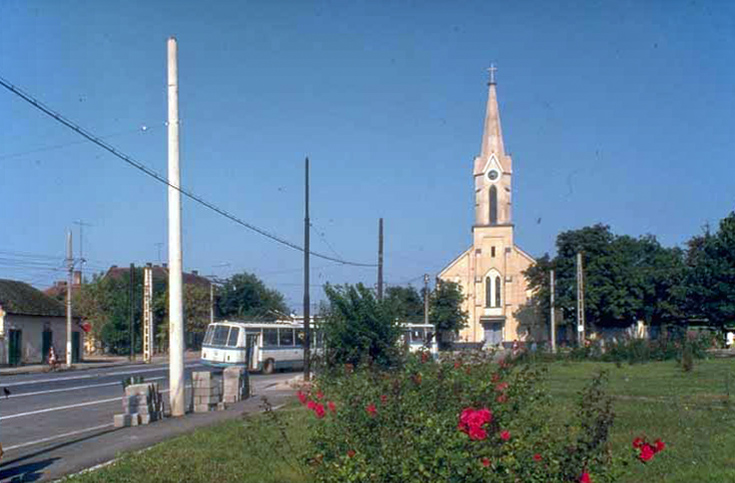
[(32, 322)]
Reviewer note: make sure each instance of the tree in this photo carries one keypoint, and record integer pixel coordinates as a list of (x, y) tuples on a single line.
[(245, 295), (407, 303), (357, 327), (710, 280), (445, 308)]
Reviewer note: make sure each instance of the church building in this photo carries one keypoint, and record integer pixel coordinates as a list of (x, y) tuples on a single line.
[(490, 272)]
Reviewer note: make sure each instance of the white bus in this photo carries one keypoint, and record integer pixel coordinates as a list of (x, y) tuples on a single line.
[(279, 345), (268, 346)]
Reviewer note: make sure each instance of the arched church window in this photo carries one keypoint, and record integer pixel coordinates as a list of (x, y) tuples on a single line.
[(497, 292), (493, 205), (488, 292)]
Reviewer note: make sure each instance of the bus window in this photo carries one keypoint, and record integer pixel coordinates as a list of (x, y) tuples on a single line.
[(286, 337), (417, 335), (270, 337), (209, 335), (300, 337), (220, 335), (234, 334)]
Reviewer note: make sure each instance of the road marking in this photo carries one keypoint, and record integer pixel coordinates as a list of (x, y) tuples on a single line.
[(59, 408), (86, 376), (75, 388), (58, 436)]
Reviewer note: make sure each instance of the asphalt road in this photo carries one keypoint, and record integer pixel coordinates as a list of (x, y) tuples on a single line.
[(44, 409)]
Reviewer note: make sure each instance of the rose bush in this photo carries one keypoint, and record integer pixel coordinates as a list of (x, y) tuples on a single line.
[(463, 420)]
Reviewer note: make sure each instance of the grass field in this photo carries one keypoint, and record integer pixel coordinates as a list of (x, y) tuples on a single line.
[(690, 411)]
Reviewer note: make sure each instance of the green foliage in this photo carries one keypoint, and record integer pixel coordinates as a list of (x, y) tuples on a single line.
[(244, 295), (407, 303), (445, 307), (359, 328), (402, 426), (710, 281)]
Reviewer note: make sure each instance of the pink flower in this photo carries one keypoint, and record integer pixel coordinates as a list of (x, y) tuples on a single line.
[(637, 443), (319, 395), (501, 398), (332, 407), (585, 478), (485, 462), (646, 453), (505, 435), (311, 405), (302, 397), (658, 446), (371, 410), (383, 398), (471, 422), (537, 457), (319, 410), (501, 387), (477, 433), (495, 377)]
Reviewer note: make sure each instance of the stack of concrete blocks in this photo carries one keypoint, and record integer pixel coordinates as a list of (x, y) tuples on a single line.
[(235, 384), (142, 404), (207, 391)]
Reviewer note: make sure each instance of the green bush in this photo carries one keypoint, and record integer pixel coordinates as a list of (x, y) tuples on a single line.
[(464, 420)]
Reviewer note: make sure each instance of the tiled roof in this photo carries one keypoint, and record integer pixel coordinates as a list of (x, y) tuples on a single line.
[(19, 298), (159, 273)]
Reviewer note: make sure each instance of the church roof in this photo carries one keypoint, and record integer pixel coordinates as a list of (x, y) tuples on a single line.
[(19, 298), (492, 134)]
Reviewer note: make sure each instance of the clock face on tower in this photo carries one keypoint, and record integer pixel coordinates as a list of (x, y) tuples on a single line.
[(493, 175)]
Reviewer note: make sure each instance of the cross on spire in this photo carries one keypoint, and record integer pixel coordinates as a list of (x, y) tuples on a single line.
[(492, 69)]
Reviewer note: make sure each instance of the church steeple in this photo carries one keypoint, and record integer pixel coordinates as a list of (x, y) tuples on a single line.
[(492, 136)]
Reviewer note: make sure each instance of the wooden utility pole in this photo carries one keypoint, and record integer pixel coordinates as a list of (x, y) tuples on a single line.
[(580, 301), (307, 304), (175, 257), (380, 259), (131, 312), (69, 282), (552, 320), (426, 298)]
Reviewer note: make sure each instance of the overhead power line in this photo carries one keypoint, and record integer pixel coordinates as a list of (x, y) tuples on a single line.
[(150, 172)]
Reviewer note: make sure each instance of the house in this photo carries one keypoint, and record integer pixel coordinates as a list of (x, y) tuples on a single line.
[(32, 322), (160, 273)]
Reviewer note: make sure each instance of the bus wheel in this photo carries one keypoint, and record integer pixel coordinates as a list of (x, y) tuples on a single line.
[(269, 367)]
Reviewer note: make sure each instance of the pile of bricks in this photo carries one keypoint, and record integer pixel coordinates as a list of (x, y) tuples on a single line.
[(142, 404), (235, 384), (207, 391)]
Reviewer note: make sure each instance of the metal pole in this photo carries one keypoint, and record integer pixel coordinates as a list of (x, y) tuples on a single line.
[(131, 312), (580, 301), (426, 298), (380, 259), (307, 305), (551, 311), (70, 266), (211, 302), (175, 258)]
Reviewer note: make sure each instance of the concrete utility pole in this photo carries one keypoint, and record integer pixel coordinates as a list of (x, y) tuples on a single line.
[(148, 313), (580, 300), (551, 311), (82, 260), (211, 302), (380, 259), (175, 258), (69, 281), (426, 298), (131, 312), (307, 304)]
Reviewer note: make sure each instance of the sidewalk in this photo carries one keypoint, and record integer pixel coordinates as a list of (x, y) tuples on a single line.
[(93, 362)]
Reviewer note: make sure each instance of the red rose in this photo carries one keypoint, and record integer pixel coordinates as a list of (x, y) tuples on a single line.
[(371, 409), (477, 433), (350, 453), (332, 407), (505, 435), (637, 443), (501, 399), (646, 453), (320, 395), (585, 478), (537, 457), (496, 377), (302, 397), (501, 387), (658, 446), (311, 405), (319, 410), (457, 364), (485, 462), (383, 398)]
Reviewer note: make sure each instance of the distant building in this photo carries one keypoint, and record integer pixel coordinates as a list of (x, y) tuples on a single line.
[(31, 322), (160, 273), (490, 271), (58, 289)]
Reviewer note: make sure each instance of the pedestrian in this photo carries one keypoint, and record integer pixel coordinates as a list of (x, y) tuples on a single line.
[(52, 360)]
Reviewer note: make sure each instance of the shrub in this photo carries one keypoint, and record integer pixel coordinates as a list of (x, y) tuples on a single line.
[(463, 420)]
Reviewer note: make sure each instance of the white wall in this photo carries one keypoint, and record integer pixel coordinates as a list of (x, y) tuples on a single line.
[(32, 338)]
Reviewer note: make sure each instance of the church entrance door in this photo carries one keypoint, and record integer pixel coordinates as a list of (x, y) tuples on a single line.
[(493, 333)]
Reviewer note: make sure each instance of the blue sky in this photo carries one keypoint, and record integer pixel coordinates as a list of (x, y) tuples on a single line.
[(614, 112)]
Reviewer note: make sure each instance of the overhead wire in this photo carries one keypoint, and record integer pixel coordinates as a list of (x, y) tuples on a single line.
[(153, 174)]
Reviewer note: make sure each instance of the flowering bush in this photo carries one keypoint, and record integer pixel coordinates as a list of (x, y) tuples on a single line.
[(468, 420)]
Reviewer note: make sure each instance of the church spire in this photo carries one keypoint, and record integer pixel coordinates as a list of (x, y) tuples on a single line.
[(492, 136)]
